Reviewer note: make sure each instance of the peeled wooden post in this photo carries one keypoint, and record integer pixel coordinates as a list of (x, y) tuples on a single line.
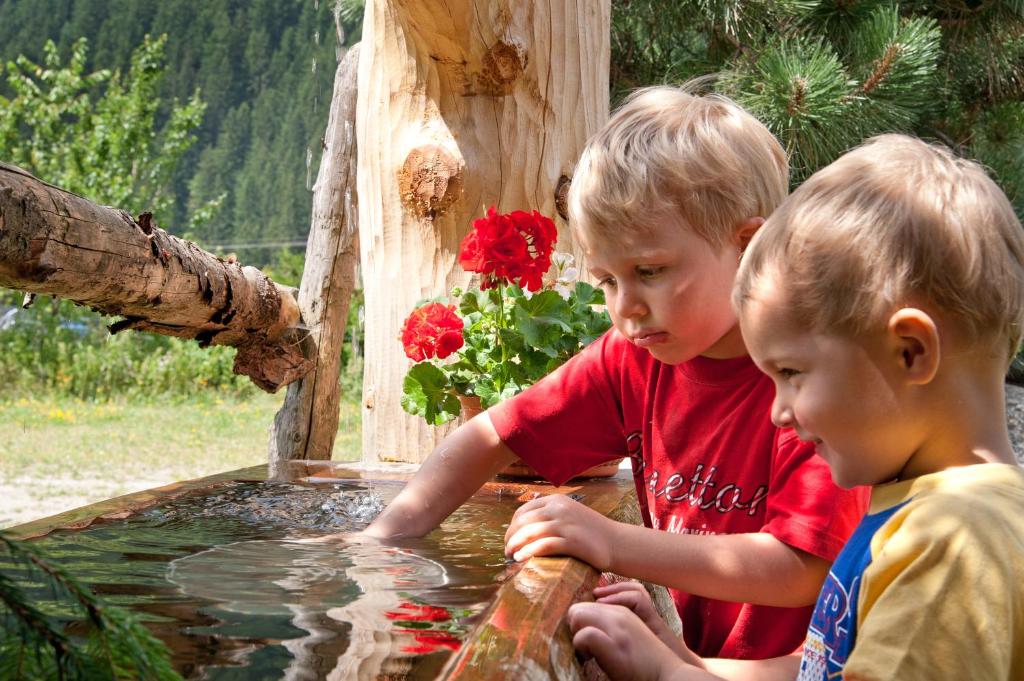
[(57, 243), (462, 104), (307, 423)]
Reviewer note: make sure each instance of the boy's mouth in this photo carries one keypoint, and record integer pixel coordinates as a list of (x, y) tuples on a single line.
[(647, 338)]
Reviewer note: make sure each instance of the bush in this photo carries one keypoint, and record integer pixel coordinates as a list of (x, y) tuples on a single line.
[(66, 350), (63, 349)]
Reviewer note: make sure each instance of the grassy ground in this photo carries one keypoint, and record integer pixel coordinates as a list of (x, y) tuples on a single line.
[(57, 454)]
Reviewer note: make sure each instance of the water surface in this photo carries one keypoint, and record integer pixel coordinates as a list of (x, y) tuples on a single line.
[(230, 579)]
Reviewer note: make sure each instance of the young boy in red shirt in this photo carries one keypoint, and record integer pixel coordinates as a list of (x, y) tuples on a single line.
[(743, 520)]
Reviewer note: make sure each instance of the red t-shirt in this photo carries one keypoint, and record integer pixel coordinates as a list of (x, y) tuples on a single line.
[(700, 434)]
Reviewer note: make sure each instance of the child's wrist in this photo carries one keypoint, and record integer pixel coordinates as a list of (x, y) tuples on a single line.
[(614, 538)]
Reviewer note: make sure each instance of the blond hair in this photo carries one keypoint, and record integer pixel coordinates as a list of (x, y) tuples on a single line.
[(895, 222), (668, 152)]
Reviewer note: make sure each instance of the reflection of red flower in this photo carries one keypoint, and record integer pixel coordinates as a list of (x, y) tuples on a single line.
[(430, 641), (432, 330), (509, 247), (414, 612)]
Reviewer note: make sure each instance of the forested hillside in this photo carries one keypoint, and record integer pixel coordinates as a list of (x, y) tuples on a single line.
[(264, 69)]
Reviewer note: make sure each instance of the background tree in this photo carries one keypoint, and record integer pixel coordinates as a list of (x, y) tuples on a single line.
[(106, 147), (826, 74)]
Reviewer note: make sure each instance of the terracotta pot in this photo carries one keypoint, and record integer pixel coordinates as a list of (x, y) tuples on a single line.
[(518, 469)]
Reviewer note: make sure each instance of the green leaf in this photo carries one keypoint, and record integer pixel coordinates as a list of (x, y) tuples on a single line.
[(474, 301), (427, 393), (484, 389), (587, 295), (542, 319)]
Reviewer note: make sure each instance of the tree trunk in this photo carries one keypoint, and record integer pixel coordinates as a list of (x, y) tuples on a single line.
[(57, 243), (462, 105), (307, 423)]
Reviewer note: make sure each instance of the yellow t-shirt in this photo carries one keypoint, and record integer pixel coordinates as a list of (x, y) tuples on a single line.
[(930, 586)]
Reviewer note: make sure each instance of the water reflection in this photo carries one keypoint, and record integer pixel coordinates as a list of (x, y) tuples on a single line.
[(230, 580)]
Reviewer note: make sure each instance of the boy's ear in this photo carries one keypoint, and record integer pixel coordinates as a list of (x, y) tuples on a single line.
[(745, 231), (916, 337)]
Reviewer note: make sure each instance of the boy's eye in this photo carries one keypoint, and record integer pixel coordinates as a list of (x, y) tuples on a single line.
[(648, 272), (605, 282), (787, 373)]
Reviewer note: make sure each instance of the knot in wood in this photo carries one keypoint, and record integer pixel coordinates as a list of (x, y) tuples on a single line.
[(430, 180), (503, 63), (562, 197)]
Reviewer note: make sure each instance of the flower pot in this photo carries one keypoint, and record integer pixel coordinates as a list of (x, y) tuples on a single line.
[(518, 469)]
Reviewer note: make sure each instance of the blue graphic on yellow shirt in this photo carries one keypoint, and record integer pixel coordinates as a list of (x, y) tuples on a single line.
[(833, 628)]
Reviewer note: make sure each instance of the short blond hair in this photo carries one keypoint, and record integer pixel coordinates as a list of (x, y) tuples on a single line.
[(668, 152), (893, 223)]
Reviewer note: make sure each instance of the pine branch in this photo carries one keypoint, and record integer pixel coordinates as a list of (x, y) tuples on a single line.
[(882, 68), (116, 646)]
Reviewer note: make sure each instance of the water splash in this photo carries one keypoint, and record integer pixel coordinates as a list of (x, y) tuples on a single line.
[(347, 506), (298, 506)]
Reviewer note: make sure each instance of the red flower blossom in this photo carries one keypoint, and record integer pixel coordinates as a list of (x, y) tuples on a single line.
[(509, 247), (430, 641), (414, 612), (432, 330)]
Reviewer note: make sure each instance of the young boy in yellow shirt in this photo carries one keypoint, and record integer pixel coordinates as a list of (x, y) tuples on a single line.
[(885, 298), (743, 520)]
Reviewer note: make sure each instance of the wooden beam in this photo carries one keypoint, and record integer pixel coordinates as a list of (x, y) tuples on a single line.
[(307, 423), (57, 243)]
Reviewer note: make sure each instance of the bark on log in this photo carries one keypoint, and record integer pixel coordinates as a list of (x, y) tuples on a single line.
[(307, 423), (57, 243), (462, 105)]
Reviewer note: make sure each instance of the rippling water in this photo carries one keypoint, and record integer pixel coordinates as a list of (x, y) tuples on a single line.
[(234, 581)]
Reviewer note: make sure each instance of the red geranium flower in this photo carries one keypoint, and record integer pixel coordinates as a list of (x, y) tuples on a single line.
[(429, 641), (414, 612), (432, 330), (509, 247)]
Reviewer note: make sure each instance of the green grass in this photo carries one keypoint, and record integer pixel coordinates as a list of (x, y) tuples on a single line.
[(59, 453)]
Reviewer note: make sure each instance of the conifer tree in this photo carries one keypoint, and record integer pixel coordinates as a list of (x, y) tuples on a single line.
[(826, 74)]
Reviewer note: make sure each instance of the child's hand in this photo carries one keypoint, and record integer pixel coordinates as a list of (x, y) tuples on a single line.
[(558, 526), (634, 596), (622, 644)]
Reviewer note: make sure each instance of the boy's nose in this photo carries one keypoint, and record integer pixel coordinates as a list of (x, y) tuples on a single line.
[(782, 414), (628, 304)]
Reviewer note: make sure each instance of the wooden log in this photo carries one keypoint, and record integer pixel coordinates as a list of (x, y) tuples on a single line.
[(58, 243), (307, 423), (462, 104)]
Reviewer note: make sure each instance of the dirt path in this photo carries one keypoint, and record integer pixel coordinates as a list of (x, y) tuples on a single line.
[(26, 498)]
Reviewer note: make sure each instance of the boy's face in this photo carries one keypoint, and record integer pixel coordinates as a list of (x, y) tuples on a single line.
[(668, 290), (843, 394)]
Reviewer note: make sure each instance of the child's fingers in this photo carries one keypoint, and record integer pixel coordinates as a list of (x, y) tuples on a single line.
[(547, 546), (587, 614), (617, 587), (529, 533), (521, 519), (628, 599), (599, 631), (592, 642)]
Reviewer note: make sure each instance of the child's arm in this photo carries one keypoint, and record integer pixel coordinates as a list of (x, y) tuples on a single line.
[(457, 468), (746, 568), (626, 648)]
